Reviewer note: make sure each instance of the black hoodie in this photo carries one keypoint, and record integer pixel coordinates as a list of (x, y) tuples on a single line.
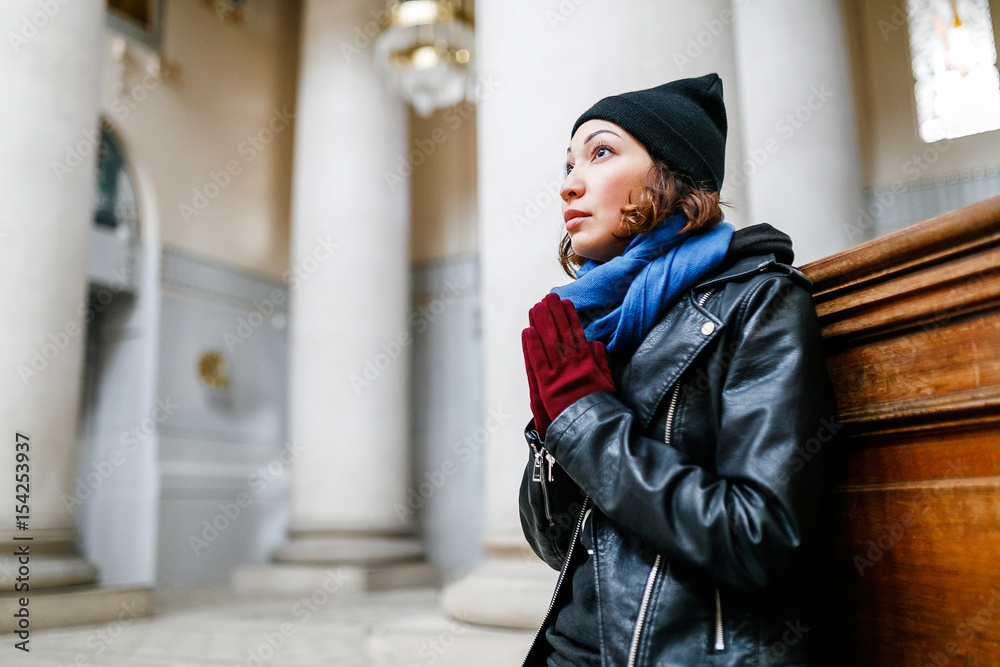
[(759, 239)]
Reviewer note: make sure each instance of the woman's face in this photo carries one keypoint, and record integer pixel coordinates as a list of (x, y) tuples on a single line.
[(604, 166)]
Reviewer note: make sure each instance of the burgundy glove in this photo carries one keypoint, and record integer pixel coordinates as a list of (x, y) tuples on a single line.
[(566, 365), (542, 420)]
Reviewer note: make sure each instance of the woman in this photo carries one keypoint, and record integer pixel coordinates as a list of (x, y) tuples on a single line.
[(681, 407)]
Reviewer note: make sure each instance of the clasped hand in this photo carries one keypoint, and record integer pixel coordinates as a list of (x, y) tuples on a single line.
[(562, 365)]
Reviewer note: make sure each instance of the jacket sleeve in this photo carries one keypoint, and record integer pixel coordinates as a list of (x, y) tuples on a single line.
[(548, 508), (744, 523)]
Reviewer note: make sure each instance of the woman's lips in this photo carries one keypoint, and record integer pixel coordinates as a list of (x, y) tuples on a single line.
[(574, 218)]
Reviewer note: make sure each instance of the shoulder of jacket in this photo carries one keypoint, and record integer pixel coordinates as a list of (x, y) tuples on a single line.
[(776, 273), (735, 295), (746, 268)]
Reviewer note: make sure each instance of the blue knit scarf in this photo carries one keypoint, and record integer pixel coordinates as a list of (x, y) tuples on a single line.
[(620, 300)]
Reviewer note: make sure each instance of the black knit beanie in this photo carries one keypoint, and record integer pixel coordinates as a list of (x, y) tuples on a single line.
[(682, 123)]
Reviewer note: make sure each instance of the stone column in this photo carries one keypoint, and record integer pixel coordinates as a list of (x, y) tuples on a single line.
[(349, 325), (545, 65), (49, 81), (803, 168)]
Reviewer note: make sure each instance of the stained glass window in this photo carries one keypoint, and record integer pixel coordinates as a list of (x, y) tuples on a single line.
[(954, 63), (116, 203), (141, 20)]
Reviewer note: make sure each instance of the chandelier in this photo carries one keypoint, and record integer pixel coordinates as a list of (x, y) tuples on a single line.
[(424, 52)]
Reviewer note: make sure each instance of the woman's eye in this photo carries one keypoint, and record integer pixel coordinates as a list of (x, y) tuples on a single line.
[(569, 168), (601, 151)]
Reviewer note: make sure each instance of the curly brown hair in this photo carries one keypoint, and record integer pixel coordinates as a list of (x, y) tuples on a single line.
[(667, 193)]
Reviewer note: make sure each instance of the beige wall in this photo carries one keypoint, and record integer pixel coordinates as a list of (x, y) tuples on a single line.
[(891, 146), (232, 79), (442, 161)]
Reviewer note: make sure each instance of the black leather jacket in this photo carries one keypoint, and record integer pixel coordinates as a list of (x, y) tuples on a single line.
[(705, 470)]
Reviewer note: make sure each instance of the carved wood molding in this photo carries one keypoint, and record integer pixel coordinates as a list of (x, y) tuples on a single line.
[(927, 242), (939, 269), (911, 322)]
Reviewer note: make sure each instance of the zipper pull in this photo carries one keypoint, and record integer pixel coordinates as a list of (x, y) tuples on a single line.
[(536, 475), (551, 459)]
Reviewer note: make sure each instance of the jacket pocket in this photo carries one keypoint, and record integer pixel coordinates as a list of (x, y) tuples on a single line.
[(550, 503)]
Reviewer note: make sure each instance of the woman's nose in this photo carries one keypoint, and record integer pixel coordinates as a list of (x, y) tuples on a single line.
[(572, 187)]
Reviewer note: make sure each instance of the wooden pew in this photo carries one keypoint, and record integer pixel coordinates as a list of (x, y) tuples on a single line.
[(911, 321)]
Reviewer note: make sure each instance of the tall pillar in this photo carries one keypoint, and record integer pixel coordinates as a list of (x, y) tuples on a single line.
[(49, 84), (803, 168), (546, 67), (349, 326)]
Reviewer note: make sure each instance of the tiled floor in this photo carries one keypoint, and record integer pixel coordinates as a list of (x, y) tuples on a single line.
[(404, 628)]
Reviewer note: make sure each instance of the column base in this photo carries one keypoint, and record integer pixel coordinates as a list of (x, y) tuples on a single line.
[(76, 605), (288, 579), (343, 563), (52, 560), (512, 589), (47, 571)]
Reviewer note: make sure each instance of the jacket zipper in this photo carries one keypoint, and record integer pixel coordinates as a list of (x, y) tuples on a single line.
[(536, 474), (720, 640), (719, 643), (562, 573), (701, 302), (642, 610)]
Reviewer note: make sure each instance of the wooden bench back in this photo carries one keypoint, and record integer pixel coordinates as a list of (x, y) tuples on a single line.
[(911, 321)]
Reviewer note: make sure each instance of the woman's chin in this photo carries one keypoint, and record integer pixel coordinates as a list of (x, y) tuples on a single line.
[(581, 247)]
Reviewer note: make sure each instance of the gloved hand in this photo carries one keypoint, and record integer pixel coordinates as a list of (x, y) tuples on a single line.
[(542, 420), (566, 365)]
